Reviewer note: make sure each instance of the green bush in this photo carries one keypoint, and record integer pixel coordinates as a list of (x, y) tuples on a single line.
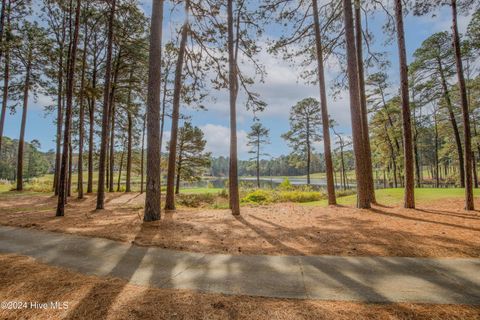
[(285, 185), (37, 185), (195, 200), (223, 193), (258, 196), (344, 193), (300, 196)]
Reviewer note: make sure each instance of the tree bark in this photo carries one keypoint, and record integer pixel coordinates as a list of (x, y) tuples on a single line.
[(112, 144), (258, 161), (112, 108), (437, 168), (453, 121), (363, 191), (323, 103), (409, 200), (2, 25), (179, 172), (152, 199), (68, 116), (129, 152), (21, 141), (120, 168), (309, 150), (105, 116), (363, 103), (70, 158), (469, 205), (172, 151), (6, 78), (81, 125), (474, 170), (92, 122), (233, 88), (142, 158)]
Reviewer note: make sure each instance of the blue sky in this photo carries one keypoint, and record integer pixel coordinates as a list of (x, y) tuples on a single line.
[(281, 90)]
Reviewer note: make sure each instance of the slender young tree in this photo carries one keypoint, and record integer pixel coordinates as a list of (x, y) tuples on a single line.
[(363, 194), (305, 123), (434, 64), (170, 199), (106, 107), (257, 137), (142, 154), (81, 126), (191, 157), (465, 111), (409, 200), (324, 110), (62, 192), (29, 54), (6, 72), (152, 199)]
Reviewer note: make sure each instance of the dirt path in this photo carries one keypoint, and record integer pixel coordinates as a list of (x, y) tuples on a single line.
[(365, 279)]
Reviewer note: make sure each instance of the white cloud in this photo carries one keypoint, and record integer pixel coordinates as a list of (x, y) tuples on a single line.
[(41, 101), (218, 140)]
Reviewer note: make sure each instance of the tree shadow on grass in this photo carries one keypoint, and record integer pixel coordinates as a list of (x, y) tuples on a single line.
[(398, 215)]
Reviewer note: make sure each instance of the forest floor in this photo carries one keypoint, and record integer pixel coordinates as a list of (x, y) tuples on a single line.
[(439, 227), (110, 298)]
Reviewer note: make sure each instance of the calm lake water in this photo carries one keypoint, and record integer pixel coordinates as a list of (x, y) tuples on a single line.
[(265, 182)]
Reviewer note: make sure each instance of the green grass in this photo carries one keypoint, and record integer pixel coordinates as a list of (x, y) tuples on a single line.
[(394, 196)]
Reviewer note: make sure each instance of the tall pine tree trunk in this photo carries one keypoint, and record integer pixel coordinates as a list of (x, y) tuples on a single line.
[(119, 180), (105, 116), (68, 116), (142, 156), (179, 172), (6, 78), (363, 103), (92, 123), (465, 112), (309, 152), (21, 141), (152, 199), (453, 121), (129, 152), (81, 125), (233, 88), (112, 144), (409, 200), (172, 151), (363, 189), (70, 159), (258, 161), (323, 103)]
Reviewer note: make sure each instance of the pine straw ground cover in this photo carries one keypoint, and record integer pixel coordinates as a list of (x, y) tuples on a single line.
[(438, 228), (89, 297)]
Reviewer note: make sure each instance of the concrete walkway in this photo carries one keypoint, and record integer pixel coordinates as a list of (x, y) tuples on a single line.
[(369, 279)]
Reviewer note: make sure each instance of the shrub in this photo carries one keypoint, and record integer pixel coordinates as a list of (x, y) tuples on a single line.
[(195, 200), (39, 186), (285, 185), (258, 196), (344, 193), (223, 193), (300, 196)]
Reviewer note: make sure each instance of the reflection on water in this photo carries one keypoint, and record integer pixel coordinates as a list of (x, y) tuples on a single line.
[(265, 182)]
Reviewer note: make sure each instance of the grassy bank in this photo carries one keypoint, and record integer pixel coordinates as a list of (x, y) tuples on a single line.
[(394, 196)]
